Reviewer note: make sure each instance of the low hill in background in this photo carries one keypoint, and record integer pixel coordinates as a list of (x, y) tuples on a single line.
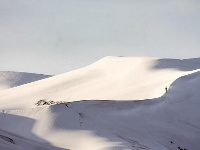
[(10, 79)]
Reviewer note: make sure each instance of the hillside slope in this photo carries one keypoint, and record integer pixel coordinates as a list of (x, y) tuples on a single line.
[(10, 141), (111, 78), (10, 79), (166, 123)]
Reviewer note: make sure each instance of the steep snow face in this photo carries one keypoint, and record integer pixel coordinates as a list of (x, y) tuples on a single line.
[(111, 78), (163, 123), (9, 79)]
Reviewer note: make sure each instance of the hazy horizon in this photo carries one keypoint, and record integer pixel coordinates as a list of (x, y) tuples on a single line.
[(52, 37)]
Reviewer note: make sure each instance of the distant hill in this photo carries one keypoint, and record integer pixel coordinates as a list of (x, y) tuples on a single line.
[(9, 79)]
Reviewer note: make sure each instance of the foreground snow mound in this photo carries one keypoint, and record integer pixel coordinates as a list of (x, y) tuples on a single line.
[(10, 141), (111, 78), (169, 122), (9, 79)]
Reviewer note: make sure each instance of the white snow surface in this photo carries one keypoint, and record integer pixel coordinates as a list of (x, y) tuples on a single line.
[(117, 103), (10, 79)]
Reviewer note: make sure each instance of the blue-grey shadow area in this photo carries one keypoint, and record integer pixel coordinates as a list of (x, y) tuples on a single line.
[(183, 65), (175, 115), (14, 126), (78, 116), (25, 78)]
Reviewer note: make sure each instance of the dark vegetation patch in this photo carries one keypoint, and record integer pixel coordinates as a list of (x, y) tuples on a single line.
[(7, 139)]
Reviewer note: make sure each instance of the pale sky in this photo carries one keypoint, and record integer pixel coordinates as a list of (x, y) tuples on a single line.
[(56, 36)]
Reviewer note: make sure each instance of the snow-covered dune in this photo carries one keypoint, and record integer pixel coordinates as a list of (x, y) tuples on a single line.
[(111, 78), (9, 79), (170, 122), (10, 141), (115, 103)]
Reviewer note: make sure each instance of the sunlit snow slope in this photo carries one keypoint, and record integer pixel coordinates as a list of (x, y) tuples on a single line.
[(111, 78)]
